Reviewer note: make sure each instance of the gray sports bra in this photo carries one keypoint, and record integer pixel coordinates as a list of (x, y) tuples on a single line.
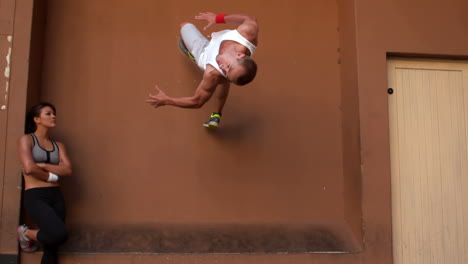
[(41, 155)]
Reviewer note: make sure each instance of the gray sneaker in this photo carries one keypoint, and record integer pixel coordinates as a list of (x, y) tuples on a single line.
[(26, 244), (214, 121), (185, 51)]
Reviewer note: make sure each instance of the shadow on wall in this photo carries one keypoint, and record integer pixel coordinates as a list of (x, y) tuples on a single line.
[(244, 127)]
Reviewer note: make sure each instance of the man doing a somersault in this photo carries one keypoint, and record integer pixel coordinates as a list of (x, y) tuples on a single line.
[(225, 59)]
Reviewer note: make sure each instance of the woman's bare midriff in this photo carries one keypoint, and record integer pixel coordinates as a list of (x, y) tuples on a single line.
[(31, 182)]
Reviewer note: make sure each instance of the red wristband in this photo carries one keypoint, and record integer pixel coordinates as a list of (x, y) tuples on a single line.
[(220, 18)]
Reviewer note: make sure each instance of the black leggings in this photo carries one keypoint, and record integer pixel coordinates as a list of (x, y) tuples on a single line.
[(47, 208)]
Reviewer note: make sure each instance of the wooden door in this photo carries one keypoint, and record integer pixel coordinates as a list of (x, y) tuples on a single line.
[(428, 133)]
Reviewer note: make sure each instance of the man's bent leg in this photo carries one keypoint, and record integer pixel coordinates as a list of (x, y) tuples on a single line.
[(221, 95), (193, 39)]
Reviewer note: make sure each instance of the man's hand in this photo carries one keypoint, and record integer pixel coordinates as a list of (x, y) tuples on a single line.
[(158, 99), (208, 16)]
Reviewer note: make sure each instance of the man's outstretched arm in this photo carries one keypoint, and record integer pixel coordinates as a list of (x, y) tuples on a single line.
[(247, 25), (202, 94)]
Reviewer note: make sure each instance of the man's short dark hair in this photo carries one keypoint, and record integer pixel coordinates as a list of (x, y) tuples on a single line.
[(250, 71)]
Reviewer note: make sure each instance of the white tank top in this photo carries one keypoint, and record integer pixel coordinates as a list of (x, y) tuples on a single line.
[(208, 56)]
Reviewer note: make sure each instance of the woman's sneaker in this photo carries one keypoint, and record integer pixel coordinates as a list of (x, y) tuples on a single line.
[(214, 121), (26, 244)]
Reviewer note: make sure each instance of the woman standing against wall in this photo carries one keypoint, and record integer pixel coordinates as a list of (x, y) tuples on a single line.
[(44, 163)]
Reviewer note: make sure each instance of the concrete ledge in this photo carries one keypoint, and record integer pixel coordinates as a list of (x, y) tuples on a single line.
[(197, 259), (333, 236)]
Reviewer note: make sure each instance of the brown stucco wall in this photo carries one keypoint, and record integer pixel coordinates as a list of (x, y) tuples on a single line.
[(434, 28), (350, 116), (5, 51), (271, 180), (15, 22), (36, 52), (301, 164)]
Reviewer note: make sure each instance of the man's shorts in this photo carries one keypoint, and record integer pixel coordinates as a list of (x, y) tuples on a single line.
[(193, 40)]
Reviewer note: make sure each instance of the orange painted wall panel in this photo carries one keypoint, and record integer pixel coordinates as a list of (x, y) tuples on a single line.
[(7, 11), (276, 161), (412, 28), (14, 47)]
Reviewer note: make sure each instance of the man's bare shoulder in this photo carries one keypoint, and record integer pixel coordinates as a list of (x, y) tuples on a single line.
[(249, 30), (212, 74), (211, 79)]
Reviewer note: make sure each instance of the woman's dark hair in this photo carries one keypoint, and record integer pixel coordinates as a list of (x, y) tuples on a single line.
[(35, 111)]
